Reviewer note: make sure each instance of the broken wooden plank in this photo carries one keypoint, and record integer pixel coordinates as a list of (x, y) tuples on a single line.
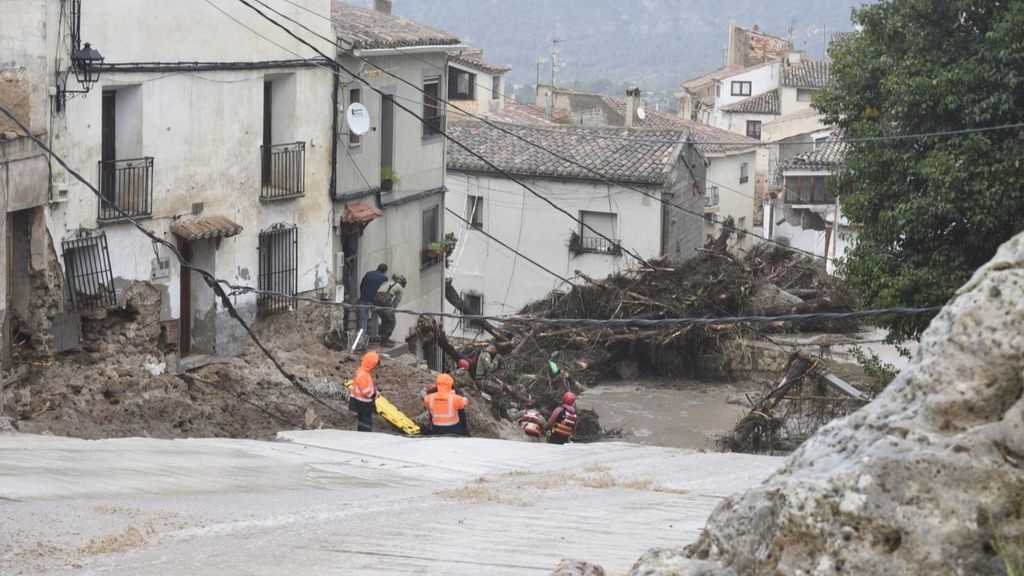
[(843, 387)]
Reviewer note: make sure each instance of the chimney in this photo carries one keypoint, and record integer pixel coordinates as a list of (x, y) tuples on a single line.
[(632, 105), (382, 6), (794, 58)]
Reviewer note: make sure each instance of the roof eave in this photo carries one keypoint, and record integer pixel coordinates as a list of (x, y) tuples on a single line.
[(399, 50)]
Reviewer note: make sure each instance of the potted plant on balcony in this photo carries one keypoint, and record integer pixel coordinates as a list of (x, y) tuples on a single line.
[(443, 247), (388, 179)]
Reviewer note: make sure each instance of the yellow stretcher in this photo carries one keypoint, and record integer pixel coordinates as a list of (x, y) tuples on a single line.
[(392, 414)]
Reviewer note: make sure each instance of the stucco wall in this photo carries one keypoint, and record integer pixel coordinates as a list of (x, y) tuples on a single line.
[(762, 79), (204, 130), (396, 238), (24, 60), (734, 199), (518, 218)]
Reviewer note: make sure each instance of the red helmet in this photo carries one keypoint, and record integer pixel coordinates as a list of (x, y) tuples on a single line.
[(569, 398), (463, 364)]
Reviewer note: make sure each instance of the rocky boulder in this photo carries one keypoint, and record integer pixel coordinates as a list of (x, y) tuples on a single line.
[(924, 480)]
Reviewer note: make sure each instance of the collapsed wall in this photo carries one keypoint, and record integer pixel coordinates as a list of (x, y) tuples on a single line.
[(927, 479)]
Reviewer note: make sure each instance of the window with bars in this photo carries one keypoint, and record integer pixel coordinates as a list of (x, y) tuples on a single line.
[(744, 173), (90, 283), (597, 232), (433, 113), (496, 88), (278, 261), (475, 211)]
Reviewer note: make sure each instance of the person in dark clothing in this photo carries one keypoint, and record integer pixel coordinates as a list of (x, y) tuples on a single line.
[(562, 422), (369, 322)]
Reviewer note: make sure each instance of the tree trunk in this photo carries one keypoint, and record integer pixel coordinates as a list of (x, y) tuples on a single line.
[(453, 298), (427, 325)]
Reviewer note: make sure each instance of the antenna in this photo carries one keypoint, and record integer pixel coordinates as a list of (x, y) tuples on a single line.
[(555, 52)]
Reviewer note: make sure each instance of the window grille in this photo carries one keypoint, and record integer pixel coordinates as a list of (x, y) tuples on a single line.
[(431, 236), (284, 170), (279, 256), (128, 185), (475, 302), (90, 284)]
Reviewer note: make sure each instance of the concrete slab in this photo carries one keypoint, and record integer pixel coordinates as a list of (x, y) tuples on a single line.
[(333, 502)]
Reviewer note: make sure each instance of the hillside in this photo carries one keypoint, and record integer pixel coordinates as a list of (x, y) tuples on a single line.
[(652, 43)]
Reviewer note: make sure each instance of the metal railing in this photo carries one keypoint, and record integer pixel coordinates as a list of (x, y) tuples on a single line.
[(598, 245), (128, 185), (90, 283), (278, 272), (283, 170), (711, 196)]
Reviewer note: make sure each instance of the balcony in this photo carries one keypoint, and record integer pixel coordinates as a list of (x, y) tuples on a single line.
[(128, 185), (711, 197), (283, 171), (593, 245)]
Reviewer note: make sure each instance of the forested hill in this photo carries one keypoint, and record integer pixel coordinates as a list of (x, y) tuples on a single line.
[(653, 43)]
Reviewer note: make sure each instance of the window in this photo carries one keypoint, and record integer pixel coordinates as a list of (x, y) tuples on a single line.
[(711, 196), (278, 272), (387, 131), (804, 94), (283, 162), (596, 228), (475, 211), (432, 111), (125, 178), (475, 302), (808, 190), (355, 96), (718, 90), (744, 173), (431, 236), (496, 88), (754, 129), (740, 88), (461, 84), (742, 223), (90, 283)]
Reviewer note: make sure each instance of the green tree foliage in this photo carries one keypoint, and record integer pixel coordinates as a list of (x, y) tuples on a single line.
[(930, 211)]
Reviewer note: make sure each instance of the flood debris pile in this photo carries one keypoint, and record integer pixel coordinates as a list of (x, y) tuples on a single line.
[(926, 479), (786, 414)]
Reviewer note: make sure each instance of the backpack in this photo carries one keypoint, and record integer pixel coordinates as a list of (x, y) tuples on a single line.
[(472, 358)]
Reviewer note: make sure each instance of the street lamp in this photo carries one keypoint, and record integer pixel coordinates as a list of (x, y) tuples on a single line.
[(86, 63)]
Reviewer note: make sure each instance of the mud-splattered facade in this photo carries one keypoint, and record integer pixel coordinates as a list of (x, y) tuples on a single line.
[(215, 139)]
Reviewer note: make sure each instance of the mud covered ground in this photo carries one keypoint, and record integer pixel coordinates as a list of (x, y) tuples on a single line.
[(113, 387)]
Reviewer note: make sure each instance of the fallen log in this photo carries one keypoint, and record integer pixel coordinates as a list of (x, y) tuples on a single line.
[(431, 327), (453, 298)]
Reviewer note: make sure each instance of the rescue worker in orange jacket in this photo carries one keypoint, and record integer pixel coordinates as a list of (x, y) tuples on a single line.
[(363, 394), (444, 406), (562, 421)]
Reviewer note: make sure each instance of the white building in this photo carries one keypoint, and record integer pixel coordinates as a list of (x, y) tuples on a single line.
[(805, 211), (475, 85), (489, 208), (407, 62), (216, 138)]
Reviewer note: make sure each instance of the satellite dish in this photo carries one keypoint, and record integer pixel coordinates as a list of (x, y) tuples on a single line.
[(641, 113), (358, 119)]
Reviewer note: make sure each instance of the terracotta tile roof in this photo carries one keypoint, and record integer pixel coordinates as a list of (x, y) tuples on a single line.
[(205, 228), (361, 212), (713, 76), (362, 28), (647, 157), (766, 103), (807, 74), (711, 140), (829, 156), (516, 113), (470, 61)]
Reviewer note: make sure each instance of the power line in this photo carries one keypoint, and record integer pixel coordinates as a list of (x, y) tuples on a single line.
[(439, 130), (455, 141), (212, 281)]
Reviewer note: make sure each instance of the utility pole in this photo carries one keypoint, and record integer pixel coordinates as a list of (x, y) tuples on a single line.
[(555, 51)]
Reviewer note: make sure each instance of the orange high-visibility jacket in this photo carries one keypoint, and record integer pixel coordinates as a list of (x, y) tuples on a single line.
[(444, 405), (363, 389)]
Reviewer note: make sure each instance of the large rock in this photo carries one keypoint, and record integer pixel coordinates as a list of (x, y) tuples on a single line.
[(914, 483)]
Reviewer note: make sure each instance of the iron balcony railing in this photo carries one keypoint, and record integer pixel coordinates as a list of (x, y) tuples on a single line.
[(599, 245), (284, 170), (711, 196), (128, 185)]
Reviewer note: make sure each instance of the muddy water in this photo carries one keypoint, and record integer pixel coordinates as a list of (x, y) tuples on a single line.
[(673, 414)]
